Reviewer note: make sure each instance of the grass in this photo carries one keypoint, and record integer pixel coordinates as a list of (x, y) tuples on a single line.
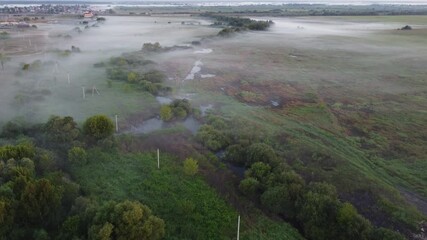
[(190, 208), (265, 228)]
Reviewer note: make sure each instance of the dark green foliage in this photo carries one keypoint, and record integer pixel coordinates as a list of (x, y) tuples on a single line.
[(151, 47), (41, 234), (77, 155), (277, 200), (40, 202), (70, 228), (212, 138), (236, 154), (13, 129), (351, 225), (260, 171), (61, 130), (260, 152), (250, 187), (132, 69), (45, 161), (237, 24), (318, 211), (98, 127), (23, 150), (178, 109)]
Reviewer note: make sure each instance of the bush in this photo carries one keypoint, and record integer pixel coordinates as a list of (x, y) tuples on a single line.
[(191, 166), (98, 127), (166, 113)]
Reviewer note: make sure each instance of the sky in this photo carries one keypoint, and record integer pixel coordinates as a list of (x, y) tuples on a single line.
[(239, 2)]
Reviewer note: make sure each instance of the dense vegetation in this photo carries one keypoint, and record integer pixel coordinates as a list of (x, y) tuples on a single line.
[(39, 200), (58, 181), (178, 109), (134, 70), (315, 208)]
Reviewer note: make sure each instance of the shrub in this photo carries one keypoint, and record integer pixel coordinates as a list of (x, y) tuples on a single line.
[(191, 166), (98, 127), (166, 113)]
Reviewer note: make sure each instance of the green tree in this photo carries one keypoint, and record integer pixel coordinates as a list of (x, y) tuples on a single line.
[(77, 156), (7, 215), (318, 211), (98, 127), (261, 152), (352, 226), (61, 130), (166, 113), (128, 220), (191, 166), (40, 202)]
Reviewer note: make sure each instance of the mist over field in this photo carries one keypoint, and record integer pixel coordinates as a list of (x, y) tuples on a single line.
[(203, 119)]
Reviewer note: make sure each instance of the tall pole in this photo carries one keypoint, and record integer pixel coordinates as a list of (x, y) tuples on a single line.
[(158, 158), (84, 94), (238, 227), (117, 125)]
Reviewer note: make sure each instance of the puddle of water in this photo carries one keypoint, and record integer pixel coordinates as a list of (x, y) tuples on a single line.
[(154, 124), (164, 100), (196, 68), (149, 125), (191, 124), (275, 103), (207, 75), (204, 51)]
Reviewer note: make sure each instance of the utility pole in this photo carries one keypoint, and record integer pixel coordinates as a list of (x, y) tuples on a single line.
[(117, 125), (84, 93), (238, 227), (158, 159)]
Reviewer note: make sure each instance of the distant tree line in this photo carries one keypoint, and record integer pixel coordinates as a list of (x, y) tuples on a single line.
[(237, 24)]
